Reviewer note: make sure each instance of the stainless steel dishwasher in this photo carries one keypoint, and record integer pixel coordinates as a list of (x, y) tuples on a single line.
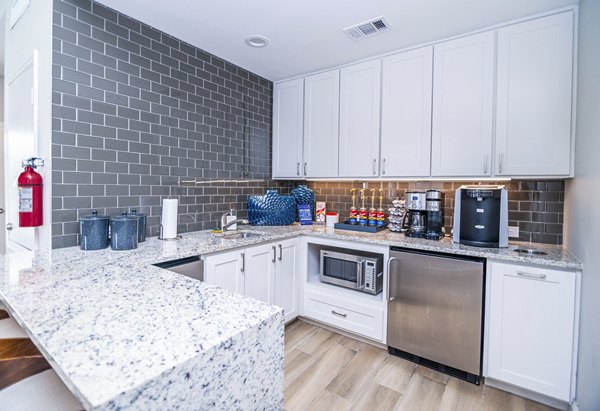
[(435, 310), (191, 266)]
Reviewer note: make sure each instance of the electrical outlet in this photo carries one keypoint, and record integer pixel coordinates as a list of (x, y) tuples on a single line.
[(513, 232)]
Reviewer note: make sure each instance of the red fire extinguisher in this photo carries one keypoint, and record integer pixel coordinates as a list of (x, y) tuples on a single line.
[(30, 194)]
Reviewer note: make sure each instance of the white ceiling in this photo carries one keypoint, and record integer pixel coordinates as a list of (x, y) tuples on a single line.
[(306, 35)]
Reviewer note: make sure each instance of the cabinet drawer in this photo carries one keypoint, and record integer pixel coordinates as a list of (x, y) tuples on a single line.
[(341, 314)]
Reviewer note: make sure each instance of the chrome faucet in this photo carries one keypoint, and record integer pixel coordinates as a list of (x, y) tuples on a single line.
[(225, 225), (238, 221)]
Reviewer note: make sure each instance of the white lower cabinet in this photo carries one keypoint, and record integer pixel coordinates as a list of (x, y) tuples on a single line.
[(532, 328), (225, 270), (259, 272), (286, 278), (343, 313), (266, 272)]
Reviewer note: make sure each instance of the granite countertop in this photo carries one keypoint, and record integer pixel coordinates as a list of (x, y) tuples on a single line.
[(203, 242), (110, 322), (119, 331)]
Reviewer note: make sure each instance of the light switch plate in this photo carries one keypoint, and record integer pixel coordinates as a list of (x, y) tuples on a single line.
[(513, 232)]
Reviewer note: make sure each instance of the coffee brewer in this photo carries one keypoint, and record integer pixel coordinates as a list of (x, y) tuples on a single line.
[(424, 217), (435, 215)]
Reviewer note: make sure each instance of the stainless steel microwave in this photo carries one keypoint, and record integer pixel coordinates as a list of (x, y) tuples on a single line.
[(354, 271)]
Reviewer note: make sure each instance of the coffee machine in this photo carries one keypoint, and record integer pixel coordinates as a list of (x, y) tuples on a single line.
[(424, 217), (481, 216), (435, 215)]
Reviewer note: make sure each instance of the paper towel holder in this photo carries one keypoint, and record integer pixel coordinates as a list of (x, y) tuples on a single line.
[(160, 235)]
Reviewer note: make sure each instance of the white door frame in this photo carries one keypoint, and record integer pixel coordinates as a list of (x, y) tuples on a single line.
[(32, 62)]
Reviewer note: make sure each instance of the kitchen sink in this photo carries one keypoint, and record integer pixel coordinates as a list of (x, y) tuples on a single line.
[(237, 235), (530, 251)]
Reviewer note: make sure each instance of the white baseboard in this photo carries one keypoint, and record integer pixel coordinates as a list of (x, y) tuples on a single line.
[(521, 392)]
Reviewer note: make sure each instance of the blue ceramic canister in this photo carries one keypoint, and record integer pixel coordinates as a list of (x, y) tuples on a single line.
[(141, 224), (93, 231), (123, 232)]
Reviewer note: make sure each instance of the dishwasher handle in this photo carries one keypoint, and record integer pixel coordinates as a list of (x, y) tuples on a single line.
[(389, 274)]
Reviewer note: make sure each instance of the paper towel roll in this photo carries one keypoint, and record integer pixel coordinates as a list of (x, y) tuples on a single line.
[(169, 218)]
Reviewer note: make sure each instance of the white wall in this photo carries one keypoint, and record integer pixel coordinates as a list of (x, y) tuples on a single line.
[(582, 204), (2, 219), (34, 31)]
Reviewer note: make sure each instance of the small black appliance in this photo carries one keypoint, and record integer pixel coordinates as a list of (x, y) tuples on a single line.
[(481, 216)]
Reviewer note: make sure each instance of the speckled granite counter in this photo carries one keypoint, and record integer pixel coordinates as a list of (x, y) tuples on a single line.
[(123, 334), (126, 335), (204, 242)]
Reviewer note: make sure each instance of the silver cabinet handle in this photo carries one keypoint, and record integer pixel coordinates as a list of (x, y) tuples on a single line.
[(500, 158), (531, 275), (9, 227), (305, 168), (485, 163), (389, 263), (274, 255), (280, 252), (339, 314), (298, 168), (383, 167), (374, 166), (243, 263), (1, 211)]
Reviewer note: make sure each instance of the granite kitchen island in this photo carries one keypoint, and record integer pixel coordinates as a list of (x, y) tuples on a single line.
[(123, 334)]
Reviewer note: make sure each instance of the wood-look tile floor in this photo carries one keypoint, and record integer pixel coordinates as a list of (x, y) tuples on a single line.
[(328, 371)]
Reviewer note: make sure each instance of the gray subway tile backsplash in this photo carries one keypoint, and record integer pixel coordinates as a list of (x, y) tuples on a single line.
[(136, 111)]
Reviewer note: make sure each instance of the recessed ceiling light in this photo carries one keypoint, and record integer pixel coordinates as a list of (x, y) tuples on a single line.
[(257, 41)]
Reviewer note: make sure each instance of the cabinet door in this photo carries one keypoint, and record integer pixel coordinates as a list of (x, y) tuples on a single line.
[(260, 272), (225, 271), (406, 113), (463, 85), (531, 328), (288, 106), (535, 76), (321, 124), (359, 119), (286, 279)]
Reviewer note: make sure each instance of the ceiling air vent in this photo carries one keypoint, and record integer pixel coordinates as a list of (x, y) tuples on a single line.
[(367, 28)]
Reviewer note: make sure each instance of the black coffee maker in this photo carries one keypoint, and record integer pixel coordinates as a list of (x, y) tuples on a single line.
[(435, 215), (424, 218), (416, 216)]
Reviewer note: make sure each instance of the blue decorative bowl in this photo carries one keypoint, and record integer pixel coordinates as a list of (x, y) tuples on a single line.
[(304, 195), (271, 209)]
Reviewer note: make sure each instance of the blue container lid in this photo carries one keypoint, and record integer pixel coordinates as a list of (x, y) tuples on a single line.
[(123, 217), (135, 213), (93, 217)]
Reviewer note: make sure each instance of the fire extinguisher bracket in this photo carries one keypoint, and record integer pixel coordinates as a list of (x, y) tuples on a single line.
[(34, 162)]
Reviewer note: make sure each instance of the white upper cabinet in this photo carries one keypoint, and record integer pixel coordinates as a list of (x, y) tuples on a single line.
[(534, 97), (321, 124), (360, 93), (463, 97), (495, 103), (406, 113), (288, 106), (532, 328)]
